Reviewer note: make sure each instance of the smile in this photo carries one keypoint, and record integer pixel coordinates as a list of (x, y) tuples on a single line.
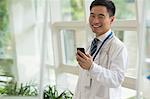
[(96, 26)]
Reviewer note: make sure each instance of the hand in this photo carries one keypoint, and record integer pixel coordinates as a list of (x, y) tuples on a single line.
[(84, 60)]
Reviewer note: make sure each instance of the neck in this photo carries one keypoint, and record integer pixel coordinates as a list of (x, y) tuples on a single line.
[(99, 34)]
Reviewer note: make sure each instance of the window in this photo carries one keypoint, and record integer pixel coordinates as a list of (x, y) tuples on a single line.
[(7, 56), (24, 47), (145, 79), (68, 40), (125, 9), (72, 10), (71, 39), (130, 40)]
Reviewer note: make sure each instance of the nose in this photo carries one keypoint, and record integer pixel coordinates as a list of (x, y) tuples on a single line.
[(96, 20)]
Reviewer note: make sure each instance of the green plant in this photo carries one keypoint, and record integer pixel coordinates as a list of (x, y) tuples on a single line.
[(4, 24), (65, 95), (6, 44), (13, 89), (51, 93)]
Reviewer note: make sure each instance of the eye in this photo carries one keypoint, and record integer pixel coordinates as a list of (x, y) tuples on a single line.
[(101, 17), (92, 15)]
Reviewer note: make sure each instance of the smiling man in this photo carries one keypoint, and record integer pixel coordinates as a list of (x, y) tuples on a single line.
[(104, 64)]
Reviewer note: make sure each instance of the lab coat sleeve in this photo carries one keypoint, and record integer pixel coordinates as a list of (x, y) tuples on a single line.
[(113, 76)]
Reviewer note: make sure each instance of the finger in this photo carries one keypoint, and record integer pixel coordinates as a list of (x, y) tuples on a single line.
[(88, 55), (82, 54), (81, 64), (79, 58)]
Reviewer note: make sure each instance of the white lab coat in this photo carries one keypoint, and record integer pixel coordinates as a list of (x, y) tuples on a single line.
[(107, 73)]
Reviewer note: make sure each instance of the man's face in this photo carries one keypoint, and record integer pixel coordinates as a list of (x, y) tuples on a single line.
[(99, 20)]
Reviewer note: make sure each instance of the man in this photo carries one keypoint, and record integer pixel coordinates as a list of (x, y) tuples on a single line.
[(104, 64)]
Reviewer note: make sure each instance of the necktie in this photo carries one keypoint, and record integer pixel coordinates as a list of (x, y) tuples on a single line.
[(94, 46)]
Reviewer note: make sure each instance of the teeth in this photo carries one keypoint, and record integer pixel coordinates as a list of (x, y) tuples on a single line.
[(96, 26)]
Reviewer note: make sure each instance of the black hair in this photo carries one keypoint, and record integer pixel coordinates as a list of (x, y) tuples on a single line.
[(107, 3)]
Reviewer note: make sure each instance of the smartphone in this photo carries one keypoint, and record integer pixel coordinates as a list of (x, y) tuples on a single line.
[(81, 49)]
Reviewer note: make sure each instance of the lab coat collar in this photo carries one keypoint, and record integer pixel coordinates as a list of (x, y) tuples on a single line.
[(102, 37)]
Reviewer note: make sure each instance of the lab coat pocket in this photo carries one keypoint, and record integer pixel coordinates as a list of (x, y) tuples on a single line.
[(102, 92)]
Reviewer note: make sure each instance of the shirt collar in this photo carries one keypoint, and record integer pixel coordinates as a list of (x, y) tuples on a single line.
[(102, 37)]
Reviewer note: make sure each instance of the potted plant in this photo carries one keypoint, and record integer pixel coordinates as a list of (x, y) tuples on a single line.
[(15, 91), (51, 93)]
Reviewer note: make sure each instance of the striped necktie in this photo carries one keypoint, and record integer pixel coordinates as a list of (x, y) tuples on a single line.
[(93, 46)]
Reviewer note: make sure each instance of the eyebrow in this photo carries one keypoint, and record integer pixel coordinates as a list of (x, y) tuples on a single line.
[(98, 14)]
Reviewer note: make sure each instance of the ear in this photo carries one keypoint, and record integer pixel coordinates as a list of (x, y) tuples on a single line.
[(112, 19)]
